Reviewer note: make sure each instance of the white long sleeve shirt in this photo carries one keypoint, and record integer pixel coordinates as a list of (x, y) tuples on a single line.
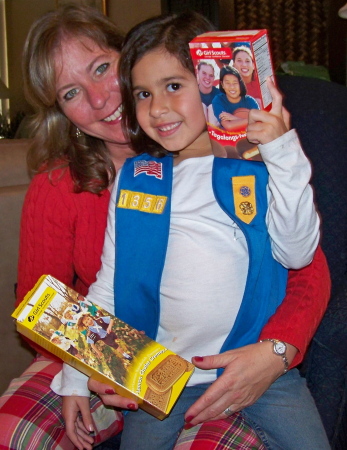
[(205, 245)]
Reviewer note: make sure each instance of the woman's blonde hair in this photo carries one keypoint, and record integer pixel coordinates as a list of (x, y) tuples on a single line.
[(55, 142)]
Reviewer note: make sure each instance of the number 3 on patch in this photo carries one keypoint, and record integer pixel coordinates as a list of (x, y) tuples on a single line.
[(140, 201)]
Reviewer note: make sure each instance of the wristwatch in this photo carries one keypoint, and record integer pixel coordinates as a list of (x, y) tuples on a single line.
[(279, 348)]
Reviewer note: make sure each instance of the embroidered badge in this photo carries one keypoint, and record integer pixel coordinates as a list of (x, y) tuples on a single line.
[(246, 208), (140, 201), (244, 188), (245, 191), (151, 168)]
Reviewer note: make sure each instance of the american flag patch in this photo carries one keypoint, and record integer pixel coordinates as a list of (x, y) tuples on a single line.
[(151, 168)]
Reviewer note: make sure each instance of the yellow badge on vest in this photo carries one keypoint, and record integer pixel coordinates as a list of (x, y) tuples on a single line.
[(244, 197), (140, 201)]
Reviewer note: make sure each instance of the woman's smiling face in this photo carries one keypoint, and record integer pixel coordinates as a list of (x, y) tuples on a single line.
[(87, 88), (244, 64)]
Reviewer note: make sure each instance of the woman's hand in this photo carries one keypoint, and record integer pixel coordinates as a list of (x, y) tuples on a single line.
[(78, 421), (249, 371), (264, 127), (109, 397)]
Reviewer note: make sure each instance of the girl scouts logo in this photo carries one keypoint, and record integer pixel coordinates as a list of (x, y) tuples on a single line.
[(244, 197)]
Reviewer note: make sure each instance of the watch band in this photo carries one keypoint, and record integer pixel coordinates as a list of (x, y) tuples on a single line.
[(282, 355)]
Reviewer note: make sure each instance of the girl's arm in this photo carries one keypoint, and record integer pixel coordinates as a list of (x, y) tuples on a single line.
[(292, 219), (230, 121), (109, 328)]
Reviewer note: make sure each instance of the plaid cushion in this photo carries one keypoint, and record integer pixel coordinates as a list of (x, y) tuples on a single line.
[(30, 412), (231, 433), (30, 419)]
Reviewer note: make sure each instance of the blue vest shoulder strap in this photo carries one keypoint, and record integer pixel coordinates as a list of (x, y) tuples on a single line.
[(141, 239)]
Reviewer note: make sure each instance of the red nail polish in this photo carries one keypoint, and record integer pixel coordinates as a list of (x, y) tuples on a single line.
[(132, 406), (189, 419), (199, 358), (188, 426), (109, 391)]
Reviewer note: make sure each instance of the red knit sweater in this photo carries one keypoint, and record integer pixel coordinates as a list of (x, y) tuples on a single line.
[(62, 234)]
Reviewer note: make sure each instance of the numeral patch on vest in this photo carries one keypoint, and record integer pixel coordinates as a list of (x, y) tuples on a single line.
[(140, 201)]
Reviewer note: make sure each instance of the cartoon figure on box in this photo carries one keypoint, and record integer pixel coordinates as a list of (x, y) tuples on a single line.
[(74, 311), (231, 106), (65, 343), (100, 329)]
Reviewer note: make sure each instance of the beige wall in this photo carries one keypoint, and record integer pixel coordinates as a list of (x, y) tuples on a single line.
[(20, 14), (127, 13)]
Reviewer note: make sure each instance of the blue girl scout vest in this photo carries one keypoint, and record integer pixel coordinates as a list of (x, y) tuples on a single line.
[(142, 232)]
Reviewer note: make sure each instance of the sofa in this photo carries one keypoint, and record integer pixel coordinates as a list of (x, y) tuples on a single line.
[(319, 113), (15, 355)]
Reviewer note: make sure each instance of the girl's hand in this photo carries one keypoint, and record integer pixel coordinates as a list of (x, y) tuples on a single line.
[(264, 127), (78, 421), (110, 325), (249, 371), (109, 397)]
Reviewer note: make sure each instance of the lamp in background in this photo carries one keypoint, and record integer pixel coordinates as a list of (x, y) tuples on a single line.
[(343, 12), (4, 90), (4, 123)]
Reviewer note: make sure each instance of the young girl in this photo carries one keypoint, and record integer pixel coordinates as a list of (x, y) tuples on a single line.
[(203, 242), (100, 329), (232, 97)]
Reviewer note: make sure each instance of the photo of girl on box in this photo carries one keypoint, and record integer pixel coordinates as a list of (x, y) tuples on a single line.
[(242, 60), (231, 106)]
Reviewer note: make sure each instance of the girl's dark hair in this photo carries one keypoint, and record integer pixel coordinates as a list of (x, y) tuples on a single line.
[(232, 71), (171, 33), (54, 134)]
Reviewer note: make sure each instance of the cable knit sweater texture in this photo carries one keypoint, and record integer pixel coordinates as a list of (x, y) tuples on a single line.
[(62, 234)]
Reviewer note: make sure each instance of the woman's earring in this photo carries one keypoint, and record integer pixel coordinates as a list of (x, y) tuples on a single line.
[(78, 133)]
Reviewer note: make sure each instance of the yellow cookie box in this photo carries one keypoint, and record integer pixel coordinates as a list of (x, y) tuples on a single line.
[(101, 346)]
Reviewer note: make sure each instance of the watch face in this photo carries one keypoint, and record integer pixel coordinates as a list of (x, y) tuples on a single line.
[(280, 348)]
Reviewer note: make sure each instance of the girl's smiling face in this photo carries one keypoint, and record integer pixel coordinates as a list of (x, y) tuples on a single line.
[(244, 64), (232, 89), (87, 88), (168, 104), (87, 321)]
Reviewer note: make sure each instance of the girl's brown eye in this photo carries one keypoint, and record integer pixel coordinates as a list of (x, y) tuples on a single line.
[(172, 87)]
